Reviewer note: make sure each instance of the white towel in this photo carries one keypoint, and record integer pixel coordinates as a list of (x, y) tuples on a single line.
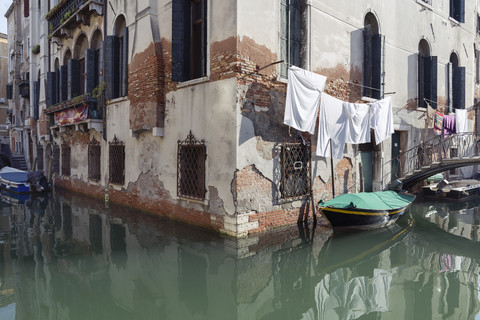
[(358, 125), (303, 94), (382, 119), (331, 125), (461, 120)]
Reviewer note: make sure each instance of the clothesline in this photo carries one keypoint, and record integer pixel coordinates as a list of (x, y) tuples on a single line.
[(438, 104), (367, 87)]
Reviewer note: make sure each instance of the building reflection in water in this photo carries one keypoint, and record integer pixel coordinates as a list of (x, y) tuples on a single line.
[(67, 257)]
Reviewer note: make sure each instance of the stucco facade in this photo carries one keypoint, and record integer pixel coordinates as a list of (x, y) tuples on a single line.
[(230, 102)]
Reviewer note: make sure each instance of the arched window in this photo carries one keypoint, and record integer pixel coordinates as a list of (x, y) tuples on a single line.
[(96, 52), (456, 83), (373, 59), (76, 67), (189, 40), (116, 60), (427, 76)]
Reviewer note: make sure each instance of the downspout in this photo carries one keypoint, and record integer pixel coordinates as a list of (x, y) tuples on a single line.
[(104, 104)]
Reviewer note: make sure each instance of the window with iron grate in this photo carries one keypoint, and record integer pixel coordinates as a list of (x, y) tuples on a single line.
[(66, 160), (94, 152), (295, 165), (40, 157), (191, 158), (116, 161), (56, 159)]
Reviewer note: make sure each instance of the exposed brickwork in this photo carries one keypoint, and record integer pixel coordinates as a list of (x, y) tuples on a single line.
[(345, 176), (146, 89), (43, 127), (147, 195)]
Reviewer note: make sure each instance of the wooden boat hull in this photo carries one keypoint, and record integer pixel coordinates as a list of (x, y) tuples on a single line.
[(16, 187), (360, 219), (465, 194)]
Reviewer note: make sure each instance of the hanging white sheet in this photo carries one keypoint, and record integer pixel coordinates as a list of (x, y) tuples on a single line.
[(331, 126), (303, 95), (461, 120), (382, 119), (358, 125)]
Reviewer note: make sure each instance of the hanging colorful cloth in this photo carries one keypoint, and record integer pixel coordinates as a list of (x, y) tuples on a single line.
[(438, 123)]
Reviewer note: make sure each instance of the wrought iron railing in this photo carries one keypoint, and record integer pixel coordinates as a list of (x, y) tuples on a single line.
[(431, 152), (94, 152), (191, 168), (116, 161), (66, 151), (64, 10), (295, 165)]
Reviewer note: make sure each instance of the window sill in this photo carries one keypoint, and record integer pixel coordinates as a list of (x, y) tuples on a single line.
[(117, 100), (202, 202), (425, 5), (423, 109), (454, 22), (368, 99), (192, 82)]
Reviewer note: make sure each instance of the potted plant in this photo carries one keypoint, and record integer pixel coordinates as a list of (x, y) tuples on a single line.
[(36, 49)]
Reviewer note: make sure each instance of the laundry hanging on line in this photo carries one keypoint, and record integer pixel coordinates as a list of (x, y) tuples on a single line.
[(331, 127), (340, 122), (303, 96), (337, 124), (461, 120)]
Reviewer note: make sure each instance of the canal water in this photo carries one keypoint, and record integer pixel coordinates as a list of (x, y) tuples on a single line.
[(70, 257)]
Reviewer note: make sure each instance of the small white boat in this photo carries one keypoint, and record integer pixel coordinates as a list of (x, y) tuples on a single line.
[(19, 181), (453, 190)]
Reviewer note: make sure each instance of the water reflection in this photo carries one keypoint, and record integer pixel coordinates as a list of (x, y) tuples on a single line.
[(67, 257)]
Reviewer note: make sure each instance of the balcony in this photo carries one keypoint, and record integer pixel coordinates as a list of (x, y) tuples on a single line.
[(24, 88), (81, 112), (68, 14)]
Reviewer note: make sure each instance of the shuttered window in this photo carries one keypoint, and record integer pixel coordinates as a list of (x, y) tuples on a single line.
[(290, 33), (90, 70), (189, 39), (63, 83), (36, 98), (116, 65), (74, 86), (459, 87), (9, 91), (457, 10), (51, 88), (477, 66), (373, 64), (427, 81)]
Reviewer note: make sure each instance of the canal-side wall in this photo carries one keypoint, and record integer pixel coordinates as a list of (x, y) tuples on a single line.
[(236, 109)]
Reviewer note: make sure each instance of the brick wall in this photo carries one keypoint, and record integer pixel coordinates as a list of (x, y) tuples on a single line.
[(146, 89)]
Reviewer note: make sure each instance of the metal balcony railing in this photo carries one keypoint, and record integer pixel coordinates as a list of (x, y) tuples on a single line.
[(432, 152), (67, 10)]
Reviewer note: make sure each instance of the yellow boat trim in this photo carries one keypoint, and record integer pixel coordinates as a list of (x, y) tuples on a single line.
[(363, 213)]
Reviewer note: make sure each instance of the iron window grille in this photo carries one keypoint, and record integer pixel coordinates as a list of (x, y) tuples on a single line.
[(191, 158), (66, 152), (116, 161), (94, 152), (56, 159), (39, 157), (295, 161)]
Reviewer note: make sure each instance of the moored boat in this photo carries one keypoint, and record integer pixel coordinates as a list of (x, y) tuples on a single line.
[(366, 210), (453, 190), (19, 181)]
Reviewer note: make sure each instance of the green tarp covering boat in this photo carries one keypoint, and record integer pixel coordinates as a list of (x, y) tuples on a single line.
[(366, 210)]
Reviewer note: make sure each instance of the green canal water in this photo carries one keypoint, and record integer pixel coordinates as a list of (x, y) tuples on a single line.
[(69, 257)]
